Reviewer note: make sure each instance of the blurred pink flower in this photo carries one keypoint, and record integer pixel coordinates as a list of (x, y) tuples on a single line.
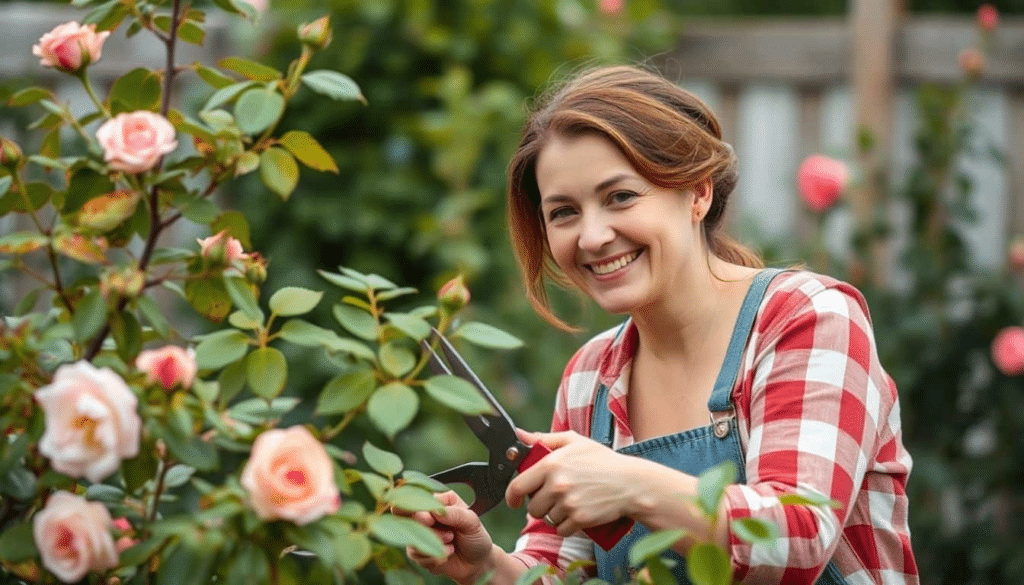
[(91, 421), (1008, 351), (134, 142), (972, 62), (70, 46), (821, 180), (221, 246), (73, 537), (168, 365), (1015, 255), (988, 17), (290, 476), (611, 6)]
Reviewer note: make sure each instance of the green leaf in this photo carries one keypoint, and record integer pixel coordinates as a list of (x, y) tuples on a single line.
[(139, 553), (356, 321), (711, 485), (236, 225), (706, 564), (249, 69), (458, 394), (242, 296), (139, 89), (138, 470), (190, 32), (266, 370), (346, 391), (279, 171), (256, 411), (127, 334), (485, 335), (209, 297), (293, 300), (755, 530), (402, 577), (29, 95), (308, 151), (257, 109), (808, 499), (221, 348), (399, 531), (226, 94), (17, 543), (392, 407), (412, 499), (101, 492), (382, 461), (306, 334), (411, 325), (534, 573), (215, 78), (344, 281), (240, 320), (413, 477), (200, 210), (22, 243), (90, 315), (353, 551), (653, 544), (333, 84), (396, 359), (151, 311), (387, 295)]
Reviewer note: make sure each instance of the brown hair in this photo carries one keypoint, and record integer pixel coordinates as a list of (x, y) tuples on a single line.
[(667, 134)]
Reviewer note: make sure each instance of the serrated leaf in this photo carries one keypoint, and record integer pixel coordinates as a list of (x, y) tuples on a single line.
[(381, 461), (279, 171), (257, 109), (266, 371), (333, 84), (706, 564), (399, 531), (308, 151), (458, 394), (221, 348), (249, 69), (653, 544), (346, 391), (484, 335), (293, 300), (356, 321), (392, 408)]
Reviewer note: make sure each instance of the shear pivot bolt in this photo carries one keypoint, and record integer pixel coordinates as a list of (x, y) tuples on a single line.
[(512, 453)]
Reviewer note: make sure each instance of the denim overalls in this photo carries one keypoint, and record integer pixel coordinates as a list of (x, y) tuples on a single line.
[(695, 450)]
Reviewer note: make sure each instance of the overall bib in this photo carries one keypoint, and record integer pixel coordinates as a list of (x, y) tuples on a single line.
[(692, 451)]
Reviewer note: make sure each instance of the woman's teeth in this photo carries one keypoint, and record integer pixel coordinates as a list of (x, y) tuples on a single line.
[(614, 264)]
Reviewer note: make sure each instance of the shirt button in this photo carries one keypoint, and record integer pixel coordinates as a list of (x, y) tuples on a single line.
[(721, 429)]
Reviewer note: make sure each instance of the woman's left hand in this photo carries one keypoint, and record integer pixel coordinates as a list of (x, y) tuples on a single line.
[(580, 484)]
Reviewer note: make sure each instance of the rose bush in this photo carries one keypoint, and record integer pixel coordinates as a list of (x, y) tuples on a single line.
[(73, 536)]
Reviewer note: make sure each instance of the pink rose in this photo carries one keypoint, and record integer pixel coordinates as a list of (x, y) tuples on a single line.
[(73, 537), (91, 421), (1008, 351), (70, 46), (289, 476), (221, 244), (610, 6), (821, 180), (134, 142), (1015, 255), (988, 17), (168, 365)]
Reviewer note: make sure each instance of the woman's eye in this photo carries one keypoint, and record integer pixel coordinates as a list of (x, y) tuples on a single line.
[(559, 213), (621, 196)]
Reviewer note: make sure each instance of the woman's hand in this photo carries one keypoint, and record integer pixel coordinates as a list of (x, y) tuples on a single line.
[(580, 484), (467, 545)]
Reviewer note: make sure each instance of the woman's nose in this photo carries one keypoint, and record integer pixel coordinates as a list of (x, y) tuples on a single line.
[(595, 231)]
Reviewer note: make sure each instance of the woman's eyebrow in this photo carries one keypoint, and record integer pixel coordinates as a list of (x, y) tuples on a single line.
[(603, 185)]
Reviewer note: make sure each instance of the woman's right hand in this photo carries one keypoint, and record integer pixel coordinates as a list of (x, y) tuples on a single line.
[(467, 545)]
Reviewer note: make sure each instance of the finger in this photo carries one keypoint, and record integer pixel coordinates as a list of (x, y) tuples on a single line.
[(525, 484), (457, 518), (554, 440)]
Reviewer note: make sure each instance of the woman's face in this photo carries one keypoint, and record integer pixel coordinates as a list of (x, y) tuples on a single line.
[(623, 241)]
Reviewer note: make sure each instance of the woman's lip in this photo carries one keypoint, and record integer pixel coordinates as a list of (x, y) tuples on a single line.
[(612, 259)]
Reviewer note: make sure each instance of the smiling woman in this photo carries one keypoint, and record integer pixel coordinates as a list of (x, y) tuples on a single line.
[(618, 189)]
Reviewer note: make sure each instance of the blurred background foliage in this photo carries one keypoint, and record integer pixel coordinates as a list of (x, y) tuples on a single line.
[(420, 197)]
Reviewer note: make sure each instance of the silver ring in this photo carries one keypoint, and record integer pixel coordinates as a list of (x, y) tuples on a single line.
[(549, 521)]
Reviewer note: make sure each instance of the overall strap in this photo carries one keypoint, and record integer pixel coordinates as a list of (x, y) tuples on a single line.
[(721, 396)]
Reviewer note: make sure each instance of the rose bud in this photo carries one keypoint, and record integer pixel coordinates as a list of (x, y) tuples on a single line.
[(134, 142), (91, 421), (126, 282), (317, 34), (70, 46), (972, 62), (1015, 255), (821, 180), (106, 212), (255, 268), (11, 156), (987, 17), (170, 365), (290, 476), (1008, 351), (73, 537), (221, 248), (453, 294)]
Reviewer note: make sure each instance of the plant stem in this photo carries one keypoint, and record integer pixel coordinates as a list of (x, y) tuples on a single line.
[(92, 93)]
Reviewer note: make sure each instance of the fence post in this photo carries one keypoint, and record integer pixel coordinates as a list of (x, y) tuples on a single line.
[(873, 28)]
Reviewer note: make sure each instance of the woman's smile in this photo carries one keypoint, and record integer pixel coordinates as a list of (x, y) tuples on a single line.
[(607, 267)]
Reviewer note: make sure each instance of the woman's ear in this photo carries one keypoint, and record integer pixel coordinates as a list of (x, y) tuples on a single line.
[(702, 194)]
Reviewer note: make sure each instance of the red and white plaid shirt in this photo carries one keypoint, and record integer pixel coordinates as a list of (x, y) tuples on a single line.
[(817, 415)]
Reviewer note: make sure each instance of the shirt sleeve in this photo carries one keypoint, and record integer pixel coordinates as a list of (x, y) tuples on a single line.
[(817, 394)]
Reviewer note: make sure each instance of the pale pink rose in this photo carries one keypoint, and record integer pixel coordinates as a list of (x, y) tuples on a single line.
[(289, 476), (91, 421), (212, 246), (821, 180), (988, 17), (73, 537), (610, 6), (1008, 351), (133, 142), (168, 365), (1015, 255), (70, 46)]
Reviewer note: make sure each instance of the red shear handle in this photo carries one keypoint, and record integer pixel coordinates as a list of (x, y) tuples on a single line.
[(605, 535)]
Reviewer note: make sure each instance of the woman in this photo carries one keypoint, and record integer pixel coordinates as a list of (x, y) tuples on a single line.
[(618, 188)]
